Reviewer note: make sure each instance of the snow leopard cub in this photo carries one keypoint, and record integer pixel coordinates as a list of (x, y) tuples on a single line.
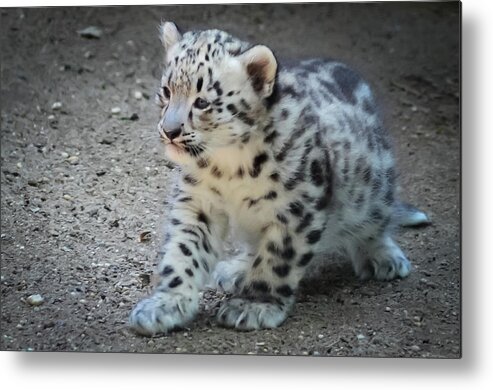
[(293, 161)]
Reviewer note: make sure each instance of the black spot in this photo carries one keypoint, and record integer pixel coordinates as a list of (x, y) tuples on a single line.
[(245, 118), (244, 104), (175, 222), (305, 259), (316, 173), (282, 218), (285, 291), (199, 84), (284, 114), (273, 248), (288, 253), (270, 137), (275, 176), (185, 199), (232, 108), (205, 265), (184, 249), (206, 245), (189, 179), (258, 161), (251, 202), (271, 195), (195, 264), (216, 172), (257, 261), (217, 87), (189, 271), (191, 232), (245, 138), (215, 190), (281, 270), (167, 270), (230, 93), (240, 172), (201, 217), (207, 57), (347, 80), (202, 162), (313, 236), (261, 286), (175, 282), (296, 208), (305, 222)]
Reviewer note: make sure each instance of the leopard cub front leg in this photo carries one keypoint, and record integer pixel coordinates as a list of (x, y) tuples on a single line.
[(270, 279), (189, 255)]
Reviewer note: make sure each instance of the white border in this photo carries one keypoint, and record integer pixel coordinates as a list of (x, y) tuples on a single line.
[(474, 371)]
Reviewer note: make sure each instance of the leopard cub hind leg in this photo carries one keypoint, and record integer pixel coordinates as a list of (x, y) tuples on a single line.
[(381, 259)]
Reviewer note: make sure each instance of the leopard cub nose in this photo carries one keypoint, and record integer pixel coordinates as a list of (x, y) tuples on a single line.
[(172, 134)]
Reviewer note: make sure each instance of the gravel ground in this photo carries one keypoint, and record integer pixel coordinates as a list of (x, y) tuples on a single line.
[(84, 179)]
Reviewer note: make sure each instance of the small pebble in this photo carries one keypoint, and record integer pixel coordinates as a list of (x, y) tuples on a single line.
[(387, 308), (415, 348), (138, 95), (52, 118), (64, 154), (88, 54), (56, 106), (67, 197), (115, 110), (361, 337), (91, 32), (35, 300), (73, 160)]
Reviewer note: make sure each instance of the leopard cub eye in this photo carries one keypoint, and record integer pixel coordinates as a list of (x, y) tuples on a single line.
[(166, 92), (201, 103)]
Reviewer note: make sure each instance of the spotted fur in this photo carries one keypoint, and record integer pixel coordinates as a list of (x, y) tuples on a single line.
[(295, 161)]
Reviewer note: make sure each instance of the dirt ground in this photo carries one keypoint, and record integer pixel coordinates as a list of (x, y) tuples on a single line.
[(80, 184)]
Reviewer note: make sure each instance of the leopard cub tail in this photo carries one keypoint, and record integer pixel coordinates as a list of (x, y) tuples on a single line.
[(406, 215)]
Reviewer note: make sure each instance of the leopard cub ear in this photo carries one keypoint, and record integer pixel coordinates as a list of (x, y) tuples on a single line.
[(169, 34), (261, 66)]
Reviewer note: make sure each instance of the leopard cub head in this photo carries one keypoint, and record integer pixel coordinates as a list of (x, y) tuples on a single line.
[(213, 91)]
